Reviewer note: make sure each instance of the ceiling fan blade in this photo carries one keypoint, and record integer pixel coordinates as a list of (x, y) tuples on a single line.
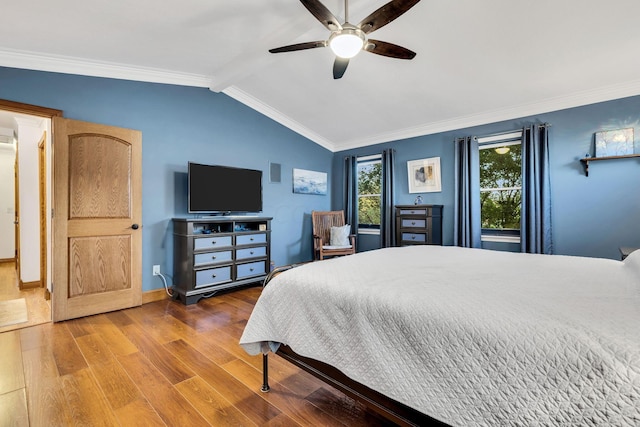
[(385, 14), (389, 49), (322, 14), (339, 67), (299, 46)]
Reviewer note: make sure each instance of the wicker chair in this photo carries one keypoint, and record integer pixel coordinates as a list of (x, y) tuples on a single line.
[(322, 223)]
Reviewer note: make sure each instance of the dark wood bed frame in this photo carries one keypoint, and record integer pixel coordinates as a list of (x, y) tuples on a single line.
[(388, 408)]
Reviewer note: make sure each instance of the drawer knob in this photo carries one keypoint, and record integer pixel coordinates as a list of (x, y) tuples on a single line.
[(213, 276), (251, 238), (413, 223), (251, 252), (413, 237), (213, 257), (213, 242), (251, 269)]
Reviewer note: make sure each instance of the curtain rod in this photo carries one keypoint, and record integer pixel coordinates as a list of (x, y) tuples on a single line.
[(497, 134)]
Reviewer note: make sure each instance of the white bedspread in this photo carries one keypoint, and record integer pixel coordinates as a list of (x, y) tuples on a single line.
[(469, 336)]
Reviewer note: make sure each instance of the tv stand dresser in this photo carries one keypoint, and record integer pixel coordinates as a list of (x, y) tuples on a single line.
[(216, 253)]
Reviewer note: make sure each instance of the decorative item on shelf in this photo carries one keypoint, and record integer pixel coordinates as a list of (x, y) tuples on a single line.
[(418, 200), (614, 142), (424, 175)]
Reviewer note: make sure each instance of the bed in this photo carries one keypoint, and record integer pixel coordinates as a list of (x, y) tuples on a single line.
[(467, 336)]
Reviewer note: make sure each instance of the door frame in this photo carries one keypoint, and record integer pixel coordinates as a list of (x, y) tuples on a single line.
[(47, 113)]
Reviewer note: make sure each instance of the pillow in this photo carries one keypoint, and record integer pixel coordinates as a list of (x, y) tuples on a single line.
[(340, 235)]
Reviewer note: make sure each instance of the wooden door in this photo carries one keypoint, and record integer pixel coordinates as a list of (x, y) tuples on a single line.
[(97, 213)]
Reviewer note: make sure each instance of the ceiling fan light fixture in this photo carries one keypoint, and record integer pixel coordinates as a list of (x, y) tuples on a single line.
[(347, 42), (502, 150)]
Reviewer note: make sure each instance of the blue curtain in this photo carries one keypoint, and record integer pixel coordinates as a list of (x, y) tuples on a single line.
[(387, 222), (535, 223), (467, 229), (351, 192)]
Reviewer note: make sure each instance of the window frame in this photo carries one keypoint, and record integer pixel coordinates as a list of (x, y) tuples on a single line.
[(368, 228), (501, 140)]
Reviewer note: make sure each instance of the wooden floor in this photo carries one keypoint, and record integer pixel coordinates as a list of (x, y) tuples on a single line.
[(161, 364), (38, 309)]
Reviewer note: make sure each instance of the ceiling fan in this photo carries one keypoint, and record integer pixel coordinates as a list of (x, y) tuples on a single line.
[(346, 39)]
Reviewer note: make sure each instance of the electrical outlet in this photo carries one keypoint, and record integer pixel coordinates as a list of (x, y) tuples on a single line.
[(156, 270)]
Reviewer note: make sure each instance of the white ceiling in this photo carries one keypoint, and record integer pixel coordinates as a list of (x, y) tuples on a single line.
[(477, 61)]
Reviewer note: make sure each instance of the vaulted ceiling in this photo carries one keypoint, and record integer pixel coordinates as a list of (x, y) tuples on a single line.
[(477, 62)]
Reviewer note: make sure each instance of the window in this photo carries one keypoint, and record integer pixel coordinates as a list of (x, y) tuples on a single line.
[(369, 194), (501, 189)]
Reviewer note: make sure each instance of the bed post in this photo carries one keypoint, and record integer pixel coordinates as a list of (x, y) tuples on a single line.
[(265, 374)]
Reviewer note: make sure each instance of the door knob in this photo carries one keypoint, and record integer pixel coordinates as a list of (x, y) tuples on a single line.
[(135, 226)]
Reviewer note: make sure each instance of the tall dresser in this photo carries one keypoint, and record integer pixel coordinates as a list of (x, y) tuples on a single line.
[(418, 225)]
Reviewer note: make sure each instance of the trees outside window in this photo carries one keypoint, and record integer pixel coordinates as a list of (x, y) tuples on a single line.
[(501, 188), (369, 193)]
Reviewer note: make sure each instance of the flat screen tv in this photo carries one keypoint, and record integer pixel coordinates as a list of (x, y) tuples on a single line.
[(223, 189)]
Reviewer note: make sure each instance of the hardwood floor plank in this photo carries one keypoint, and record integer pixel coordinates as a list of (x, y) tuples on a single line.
[(94, 350), (170, 405), (165, 362), (13, 409), (217, 410), (139, 413), (37, 336), (79, 327), (294, 405), (116, 384), (352, 413), (87, 404), (256, 408), (113, 337), (66, 353), (46, 403), (11, 372)]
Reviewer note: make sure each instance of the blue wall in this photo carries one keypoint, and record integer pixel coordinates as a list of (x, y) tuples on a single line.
[(591, 216), (181, 124)]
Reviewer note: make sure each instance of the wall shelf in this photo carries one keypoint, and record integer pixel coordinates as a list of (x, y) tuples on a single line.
[(586, 160)]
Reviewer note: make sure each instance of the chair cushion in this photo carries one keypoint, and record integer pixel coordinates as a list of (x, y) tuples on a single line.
[(340, 236), (325, 247)]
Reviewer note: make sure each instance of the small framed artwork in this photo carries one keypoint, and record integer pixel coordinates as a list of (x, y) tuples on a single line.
[(309, 182), (424, 175), (614, 142)]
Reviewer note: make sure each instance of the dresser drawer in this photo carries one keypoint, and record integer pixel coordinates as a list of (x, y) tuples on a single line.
[(251, 252), (414, 223), (248, 239), (414, 237), (211, 258), (251, 269), (211, 242), (212, 276), (413, 211)]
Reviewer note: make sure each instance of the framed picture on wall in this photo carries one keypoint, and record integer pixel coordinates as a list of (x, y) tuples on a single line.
[(614, 142), (424, 175), (309, 182)]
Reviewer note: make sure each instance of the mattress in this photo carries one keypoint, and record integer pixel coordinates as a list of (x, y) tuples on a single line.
[(469, 336)]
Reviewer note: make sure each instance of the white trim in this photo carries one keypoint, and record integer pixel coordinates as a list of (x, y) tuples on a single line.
[(373, 157), (500, 137), (372, 231), (499, 144), (71, 65), (276, 115), (500, 239)]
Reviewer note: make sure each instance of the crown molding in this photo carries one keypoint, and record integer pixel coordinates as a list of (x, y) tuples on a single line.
[(577, 99), (276, 115), (71, 65)]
